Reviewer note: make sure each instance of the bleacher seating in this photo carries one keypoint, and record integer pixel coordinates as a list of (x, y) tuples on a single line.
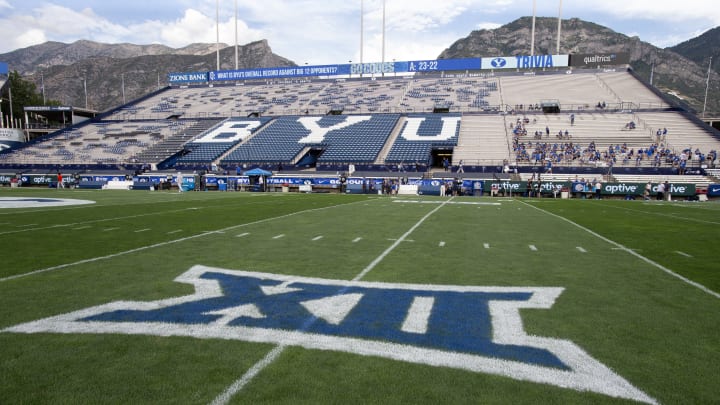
[(420, 133), (194, 124), (357, 138)]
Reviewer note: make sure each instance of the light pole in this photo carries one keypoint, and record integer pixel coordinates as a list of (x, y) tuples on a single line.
[(85, 90), (42, 86)]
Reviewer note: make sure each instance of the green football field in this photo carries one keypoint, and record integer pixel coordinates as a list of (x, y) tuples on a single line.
[(212, 297)]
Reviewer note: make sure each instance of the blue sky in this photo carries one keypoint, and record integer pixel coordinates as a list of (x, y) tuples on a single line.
[(326, 31)]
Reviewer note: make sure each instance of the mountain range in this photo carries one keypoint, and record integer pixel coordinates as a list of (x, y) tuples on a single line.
[(109, 69)]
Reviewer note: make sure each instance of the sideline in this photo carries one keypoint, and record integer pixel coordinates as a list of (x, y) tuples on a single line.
[(269, 358), (665, 215), (95, 221), (170, 242), (630, 251)]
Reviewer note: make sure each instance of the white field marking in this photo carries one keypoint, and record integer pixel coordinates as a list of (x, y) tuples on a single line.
[(533, 248), (408, 240), (161, 244), (142, 230), (317, 238), (581, 249), (110, 229), (486, 245), (180, 230), (29, 202), (669, 215), (584, 373), (242, 235), (91, 222), (442, 243), (682, 253), (238, 385), (282, 235), (27, 225), (82, 227), (632, 252), (418, 315), (356, 240), (443, 202)]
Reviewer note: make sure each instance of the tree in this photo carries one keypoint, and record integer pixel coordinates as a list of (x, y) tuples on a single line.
[(23, 93)]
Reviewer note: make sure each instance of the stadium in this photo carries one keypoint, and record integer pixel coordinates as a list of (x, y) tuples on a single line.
[(405, 232)]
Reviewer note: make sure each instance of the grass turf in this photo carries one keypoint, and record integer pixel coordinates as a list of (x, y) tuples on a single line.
[(650, 327)]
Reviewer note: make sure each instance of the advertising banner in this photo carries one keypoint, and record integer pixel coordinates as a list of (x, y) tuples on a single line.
[(525, 62), (713, 190), (177, 78), (598, 60)]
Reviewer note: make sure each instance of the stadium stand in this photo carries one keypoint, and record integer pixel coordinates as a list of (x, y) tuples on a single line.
[(603, 121)]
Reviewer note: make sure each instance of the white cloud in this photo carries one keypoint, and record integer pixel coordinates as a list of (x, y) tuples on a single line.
[(664, 11), (319, 32), (488, 26)]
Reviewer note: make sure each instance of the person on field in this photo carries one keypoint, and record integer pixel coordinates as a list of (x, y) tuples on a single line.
[(179, 182), (60, 180), (660, 192)]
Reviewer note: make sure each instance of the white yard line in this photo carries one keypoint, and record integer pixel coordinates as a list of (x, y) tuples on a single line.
[(142, 230), (27, 229), (683, 253), (619, 246), (242, 235), (269, 358), (356, 240), (581, 249), (282, 235), (667, 215), (317, 238), (161, 244)]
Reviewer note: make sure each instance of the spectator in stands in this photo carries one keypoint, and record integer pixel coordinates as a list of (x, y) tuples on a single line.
[(446, 164)]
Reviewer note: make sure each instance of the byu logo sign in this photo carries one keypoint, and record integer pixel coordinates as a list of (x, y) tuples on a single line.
[(471, 328)]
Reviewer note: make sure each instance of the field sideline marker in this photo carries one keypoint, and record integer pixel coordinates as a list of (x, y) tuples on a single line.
[(269, 358), (88, 222), (632, 252), (161, 244)]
